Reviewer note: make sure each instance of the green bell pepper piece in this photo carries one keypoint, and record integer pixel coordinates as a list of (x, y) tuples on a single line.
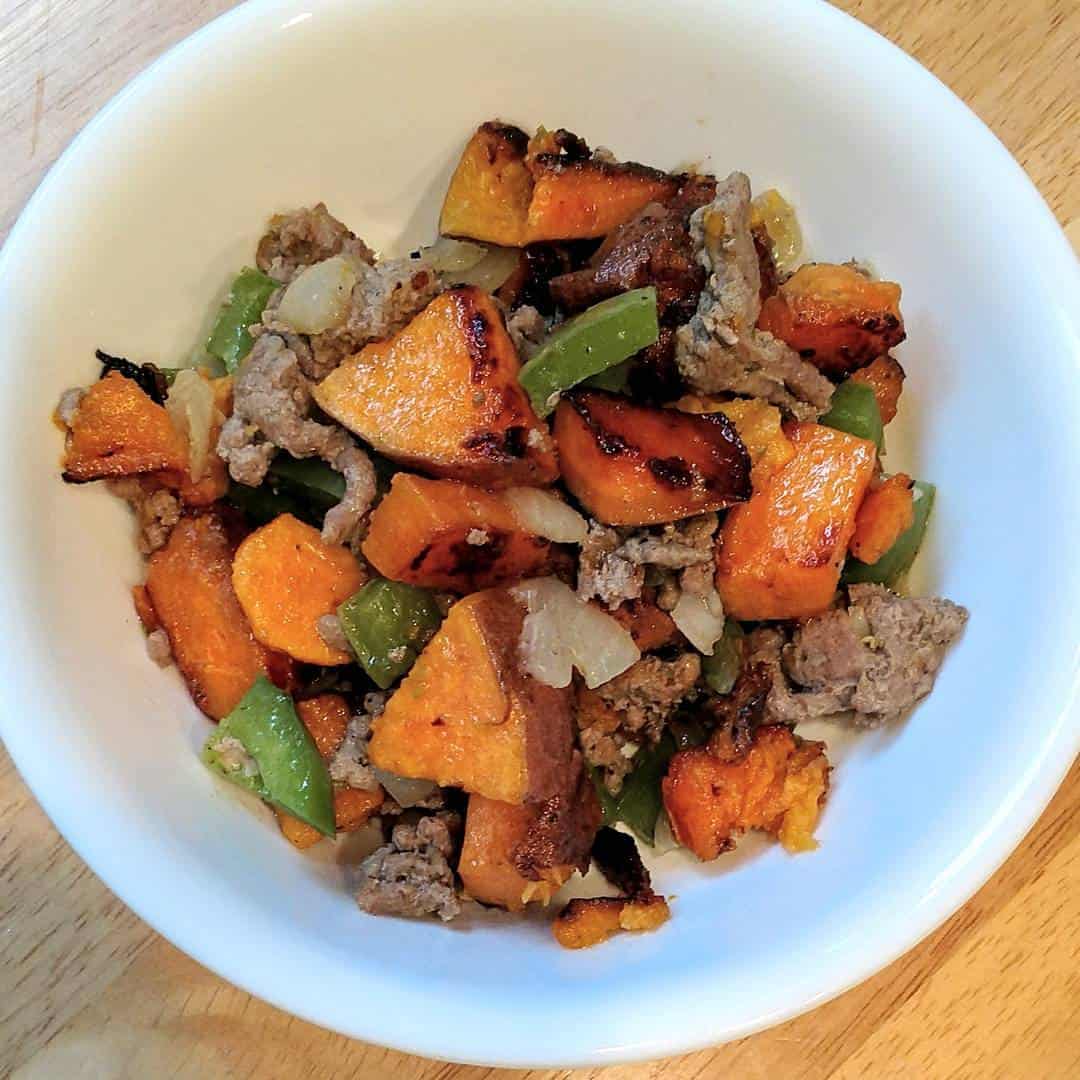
[(307, 479), (260, 505), (615, 380), (722, 668), (854, 409), (896, 562), (599, 338), (291, 771), (388, 624), (230, 341)]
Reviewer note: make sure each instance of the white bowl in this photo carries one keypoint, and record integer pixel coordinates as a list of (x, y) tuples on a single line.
[(366, 105)]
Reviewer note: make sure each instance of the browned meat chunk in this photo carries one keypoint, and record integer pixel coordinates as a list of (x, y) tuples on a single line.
[(616, 719), (272, 408), (870, 663), (720, 350), (156, 510), (412, 875), (304, 237)]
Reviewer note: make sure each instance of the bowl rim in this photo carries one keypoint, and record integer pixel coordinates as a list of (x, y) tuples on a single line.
[(1011, 822)]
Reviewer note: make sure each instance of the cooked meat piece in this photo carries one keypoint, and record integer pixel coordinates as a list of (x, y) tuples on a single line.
[(617, 857), (584, 923), (329, 628), (612, 562), (349, 765), (530, 283), (647, 692), (304, 237), (411, 875), (869, 664), (527, 329), (616, 719), (720, 350), (605, 574), (156, 510), (562, 832), (677, 546), (271, 408)]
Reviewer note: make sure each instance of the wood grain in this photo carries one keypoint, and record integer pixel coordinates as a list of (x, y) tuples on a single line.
[(87, 990)]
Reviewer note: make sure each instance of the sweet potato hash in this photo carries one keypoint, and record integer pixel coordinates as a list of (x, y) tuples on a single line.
[(487, 561)]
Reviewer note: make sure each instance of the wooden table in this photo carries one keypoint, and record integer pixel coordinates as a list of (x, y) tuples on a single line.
[(87, 990)]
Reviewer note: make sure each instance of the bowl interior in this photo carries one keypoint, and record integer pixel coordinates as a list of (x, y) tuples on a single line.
[(365, 106)]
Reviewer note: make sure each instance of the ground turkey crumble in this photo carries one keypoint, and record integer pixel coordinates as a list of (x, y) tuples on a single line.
[(412, 875), (641, 700), (720, 349), (867, 665), (612, 565), (156, 510)]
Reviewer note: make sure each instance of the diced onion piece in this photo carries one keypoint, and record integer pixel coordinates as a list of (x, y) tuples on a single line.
[(318, 297), (448, 256), (562, 632), (492, 271), (772, 210), (403, 790), (191, 408), (701, 619), (544, 514)]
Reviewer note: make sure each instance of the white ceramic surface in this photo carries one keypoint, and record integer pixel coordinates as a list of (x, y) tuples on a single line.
[(365, 105)]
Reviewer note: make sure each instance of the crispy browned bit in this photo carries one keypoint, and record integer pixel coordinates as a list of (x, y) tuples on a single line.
[(739, 713), (617, 857), (770, 277), (583, 923)]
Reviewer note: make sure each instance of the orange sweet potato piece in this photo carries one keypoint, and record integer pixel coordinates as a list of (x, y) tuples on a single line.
[(575, 199), (144, 608), (442, 396), (326, 717), (286, 578), (354, 807), (489, 193), (778, 785), (119, 431), (299, 833), (835, 317), (468, 716), (443, 534), (632, 464), (189, 582), (885, 377), (584, 923), (649, 626), (885, 513), (780, 554), (493, 830)]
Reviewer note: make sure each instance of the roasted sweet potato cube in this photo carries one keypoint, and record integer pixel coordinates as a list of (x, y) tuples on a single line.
[(835, 317), (119, 431), (778, 785), (493, 831), (443, 534), (189, 582), (442, 396), (631, 464), (584, 923), (352, 809), (468, 716), (885, 377), (144, 608), (489, 193), (286, 578), (576, 199), (887, 511), (326, 716), (780, 554)]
